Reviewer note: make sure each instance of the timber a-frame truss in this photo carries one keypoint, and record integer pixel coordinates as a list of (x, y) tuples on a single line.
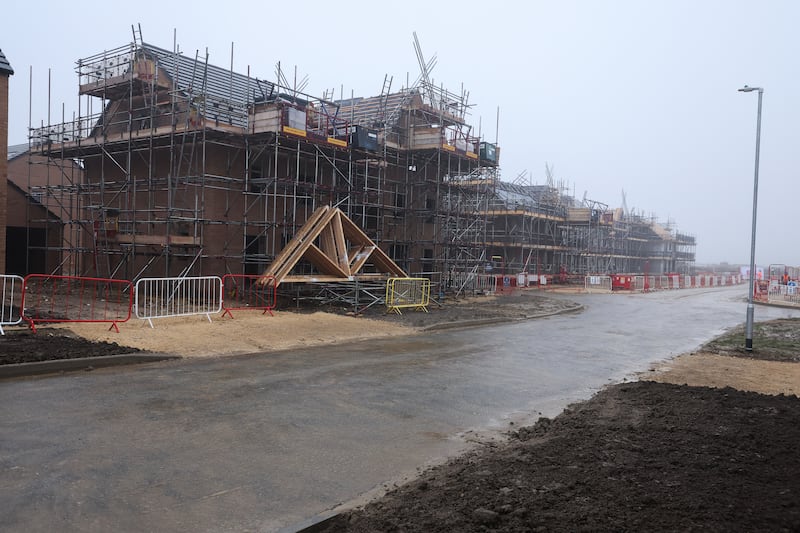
[(336, 247)]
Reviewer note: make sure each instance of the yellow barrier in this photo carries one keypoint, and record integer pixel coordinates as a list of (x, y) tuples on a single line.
[(407, 292)]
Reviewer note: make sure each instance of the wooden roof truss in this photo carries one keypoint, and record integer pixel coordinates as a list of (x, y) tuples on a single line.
[(336, 246)]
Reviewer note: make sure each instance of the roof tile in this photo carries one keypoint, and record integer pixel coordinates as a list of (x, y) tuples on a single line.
[(5, 66)]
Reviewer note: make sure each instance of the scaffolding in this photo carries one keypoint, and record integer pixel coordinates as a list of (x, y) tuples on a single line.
[(174, 166)]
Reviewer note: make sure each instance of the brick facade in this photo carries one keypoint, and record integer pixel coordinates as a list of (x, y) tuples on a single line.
[(5, 72), (3, 167)]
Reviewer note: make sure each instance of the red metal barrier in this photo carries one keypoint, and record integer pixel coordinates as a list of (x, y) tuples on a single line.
[(241, 292), (621, 282), (505, 284), (48, 299)]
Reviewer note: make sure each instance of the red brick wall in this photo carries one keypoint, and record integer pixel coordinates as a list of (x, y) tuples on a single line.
[(3, 168)]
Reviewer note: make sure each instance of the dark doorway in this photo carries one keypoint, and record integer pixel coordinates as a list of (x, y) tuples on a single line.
[(25, 250)]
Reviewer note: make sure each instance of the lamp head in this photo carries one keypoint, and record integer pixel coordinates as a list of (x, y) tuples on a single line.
[(748, 89)]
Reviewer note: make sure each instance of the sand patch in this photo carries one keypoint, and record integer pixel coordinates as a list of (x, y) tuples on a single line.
[(248, 332), (711, 370)]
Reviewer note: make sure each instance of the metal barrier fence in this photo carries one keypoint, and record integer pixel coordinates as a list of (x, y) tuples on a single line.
[(505, 283), (471, 282), (407, 292), (181, 296), (244, 292), (11, 312), (784, 294), (675, 281), (598, 283), (47, 299), (438, 282), (644, 283)]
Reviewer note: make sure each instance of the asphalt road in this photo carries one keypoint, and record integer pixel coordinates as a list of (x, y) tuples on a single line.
[(264, 442)]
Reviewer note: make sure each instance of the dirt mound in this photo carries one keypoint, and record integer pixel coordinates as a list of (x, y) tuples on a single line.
[(48, 345), (638, 456)]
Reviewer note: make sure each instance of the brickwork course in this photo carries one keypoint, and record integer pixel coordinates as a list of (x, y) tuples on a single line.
[(5, 72)]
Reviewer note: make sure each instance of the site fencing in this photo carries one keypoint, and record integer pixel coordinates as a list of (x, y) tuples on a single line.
[(243, 292), (505, 283), (644, 283), (598, 283), (180, 296), (783, 294), (42, 298), (11, 312), (471, 282), (53, 299), (407, 293)]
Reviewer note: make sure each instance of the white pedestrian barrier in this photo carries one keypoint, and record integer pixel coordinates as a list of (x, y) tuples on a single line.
[(181, 296), (11, 312), (597, 283), (783, 294)]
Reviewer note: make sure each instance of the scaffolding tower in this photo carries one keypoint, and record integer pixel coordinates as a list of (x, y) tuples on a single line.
[(173, 165)]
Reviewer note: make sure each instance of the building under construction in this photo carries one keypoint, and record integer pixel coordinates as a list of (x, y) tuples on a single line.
[(174, 166)]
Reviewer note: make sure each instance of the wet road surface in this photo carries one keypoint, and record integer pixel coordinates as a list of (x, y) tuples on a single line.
[(261, 442)]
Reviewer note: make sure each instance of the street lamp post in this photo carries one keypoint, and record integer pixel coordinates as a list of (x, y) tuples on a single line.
[(748, 338)]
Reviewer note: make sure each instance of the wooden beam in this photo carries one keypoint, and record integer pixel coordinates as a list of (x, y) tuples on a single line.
[(324, 263), (354, 254), (361, 259), (327, 242), (353, 232), (181, 240), (305, 237), (341, 244), (284, 255), (311, 278), (385, 264)]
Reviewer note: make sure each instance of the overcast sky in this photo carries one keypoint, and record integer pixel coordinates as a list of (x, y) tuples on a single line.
[(638, 96)]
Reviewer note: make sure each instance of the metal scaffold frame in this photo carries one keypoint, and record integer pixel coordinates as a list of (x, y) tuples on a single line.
[(172, 165)]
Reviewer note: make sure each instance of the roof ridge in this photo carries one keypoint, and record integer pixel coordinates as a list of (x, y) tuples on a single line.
[(5, 66)]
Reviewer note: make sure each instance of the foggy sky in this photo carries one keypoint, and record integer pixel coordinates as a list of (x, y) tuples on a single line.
[(639, 96)]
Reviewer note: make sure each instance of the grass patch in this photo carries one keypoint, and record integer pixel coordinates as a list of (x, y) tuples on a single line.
[(776, 340)]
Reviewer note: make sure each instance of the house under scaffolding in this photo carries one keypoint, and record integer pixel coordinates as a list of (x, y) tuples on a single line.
[(190, 168)]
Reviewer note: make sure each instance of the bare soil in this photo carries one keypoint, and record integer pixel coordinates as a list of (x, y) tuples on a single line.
[(252, 331), (23, 346), (707, 441), (518, 305), (641, 456)]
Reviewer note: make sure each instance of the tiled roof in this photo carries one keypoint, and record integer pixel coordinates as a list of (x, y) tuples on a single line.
[(221, 86), (375, 110), (5, 66), (16, 150)]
